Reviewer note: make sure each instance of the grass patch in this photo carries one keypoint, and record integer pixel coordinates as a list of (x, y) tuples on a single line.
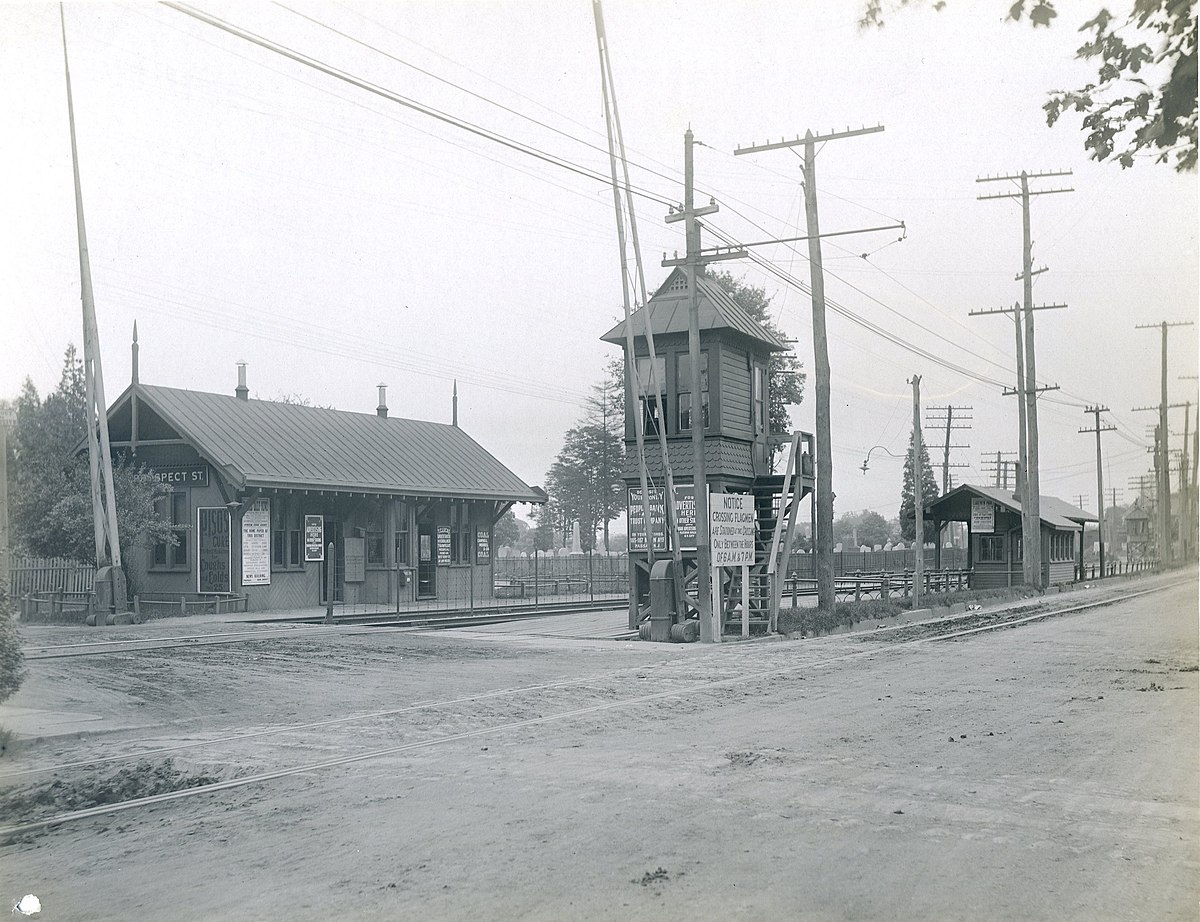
[(30, 802)]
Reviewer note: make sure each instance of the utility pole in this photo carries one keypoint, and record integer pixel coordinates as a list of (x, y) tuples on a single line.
[(823, 540), (1164, 503), (1031, 527), (1000, 468), (918, 495), (1031, 500), (693, 263), (937, 421), (1096, 411)]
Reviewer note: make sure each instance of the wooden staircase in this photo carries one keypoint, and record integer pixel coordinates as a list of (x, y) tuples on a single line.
[(776, 501)]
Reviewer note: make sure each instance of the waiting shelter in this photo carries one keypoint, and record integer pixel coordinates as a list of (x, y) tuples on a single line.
[(994, 543)]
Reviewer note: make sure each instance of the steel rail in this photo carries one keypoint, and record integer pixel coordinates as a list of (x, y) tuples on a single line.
[(232, 783)]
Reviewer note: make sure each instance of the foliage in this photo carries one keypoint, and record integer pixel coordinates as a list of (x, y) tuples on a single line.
[(509, 530), (12, 659), (785, 372), (853, 529), (606, 416), (1143, 100), (584, 482), (51, 500), (929, 491)]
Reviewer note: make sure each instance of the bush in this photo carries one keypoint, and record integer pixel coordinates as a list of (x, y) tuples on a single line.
[(11, 657)]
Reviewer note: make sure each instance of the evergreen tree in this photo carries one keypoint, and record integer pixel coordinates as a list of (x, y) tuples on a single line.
[(51, 503), (929, 491)]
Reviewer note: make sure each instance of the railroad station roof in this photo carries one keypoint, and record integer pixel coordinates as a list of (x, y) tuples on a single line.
[(669, 313), (265, 444), (955, 506)]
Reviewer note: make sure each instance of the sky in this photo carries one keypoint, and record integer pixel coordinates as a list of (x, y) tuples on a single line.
[(241, 206)]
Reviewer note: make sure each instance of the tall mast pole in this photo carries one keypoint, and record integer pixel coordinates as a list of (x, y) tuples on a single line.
[(104, 507)]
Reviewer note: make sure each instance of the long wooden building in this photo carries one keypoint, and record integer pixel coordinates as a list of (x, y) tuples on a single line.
[(293, 506)]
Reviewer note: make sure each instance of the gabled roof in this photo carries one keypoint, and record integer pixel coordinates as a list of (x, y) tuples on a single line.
[(1052, 510), (669, 313), (262, 443)]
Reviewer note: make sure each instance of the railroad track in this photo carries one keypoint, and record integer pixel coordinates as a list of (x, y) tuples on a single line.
[(315, 626), (432, 722)]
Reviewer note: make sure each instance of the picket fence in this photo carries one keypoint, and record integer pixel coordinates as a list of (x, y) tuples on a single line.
[(48, 574)]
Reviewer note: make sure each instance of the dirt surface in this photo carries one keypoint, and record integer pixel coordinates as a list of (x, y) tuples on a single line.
[(1047, 771)]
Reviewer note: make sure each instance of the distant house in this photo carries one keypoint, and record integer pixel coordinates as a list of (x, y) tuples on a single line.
[(293, 506), (994, 544)]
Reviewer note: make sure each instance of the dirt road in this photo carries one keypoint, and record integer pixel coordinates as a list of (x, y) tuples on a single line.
[(1042, 772)]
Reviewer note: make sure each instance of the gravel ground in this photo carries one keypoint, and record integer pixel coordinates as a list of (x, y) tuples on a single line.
[(1042, 772)]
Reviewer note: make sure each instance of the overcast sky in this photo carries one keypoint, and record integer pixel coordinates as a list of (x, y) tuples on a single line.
[(241, 206)]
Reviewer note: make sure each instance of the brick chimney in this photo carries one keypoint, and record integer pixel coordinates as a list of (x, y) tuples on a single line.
[(381, 410), (241, 391)]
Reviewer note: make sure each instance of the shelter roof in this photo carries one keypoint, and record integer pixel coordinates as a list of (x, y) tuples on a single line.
[(668, 311), (1053, 511), (261, 443)]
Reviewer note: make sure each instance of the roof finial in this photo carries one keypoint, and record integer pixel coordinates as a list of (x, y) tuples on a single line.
[(454, 409), (134, 347)]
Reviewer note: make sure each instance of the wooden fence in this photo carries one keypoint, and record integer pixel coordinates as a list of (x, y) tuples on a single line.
[(49, 574)]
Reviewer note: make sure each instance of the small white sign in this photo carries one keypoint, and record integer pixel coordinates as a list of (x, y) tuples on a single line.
[(256, 544), (983, 516), (731, 527)]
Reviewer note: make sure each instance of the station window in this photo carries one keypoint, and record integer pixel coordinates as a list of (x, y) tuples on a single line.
[(683, 384), (1062, 546), (758, 407), (460, 532), (403, 539), (287, 545), (652, 392), (374, 534), (991, 549), (167, 556)]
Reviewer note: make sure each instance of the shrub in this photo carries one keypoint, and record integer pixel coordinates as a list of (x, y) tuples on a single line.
[(11, 657)]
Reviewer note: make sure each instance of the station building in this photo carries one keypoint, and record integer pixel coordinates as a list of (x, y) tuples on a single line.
[(293, 506), (994, 551)]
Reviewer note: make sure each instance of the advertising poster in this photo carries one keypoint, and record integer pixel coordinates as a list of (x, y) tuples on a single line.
[(983, 516), (443, 545), (256, 544), (214, 550), (314, 537), (483, 545)]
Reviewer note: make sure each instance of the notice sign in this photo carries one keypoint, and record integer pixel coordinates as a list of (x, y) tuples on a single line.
[(983, 516), (314, 537), (355, 551), (731, 529), (636, 517), (256, 544), (483, 545), (213, 549), (443, 545)]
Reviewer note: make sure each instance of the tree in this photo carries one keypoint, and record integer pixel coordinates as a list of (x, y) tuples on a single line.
[(1143, 101), (853, 529), (785, 372), (509, 530), (606, 415), (51, 497), (581, 482), (929, 491)]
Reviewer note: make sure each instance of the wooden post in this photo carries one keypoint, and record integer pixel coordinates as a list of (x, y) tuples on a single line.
[(745, 601), (330, 561), (918, 494)]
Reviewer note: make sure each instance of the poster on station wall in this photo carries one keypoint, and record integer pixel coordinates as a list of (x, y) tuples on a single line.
[(983, 516), (685, 515), (314, 538), (483, 545), (636, 517), (731, 529), (214, 549), (355, 551), (256, 544), (443, 545)]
